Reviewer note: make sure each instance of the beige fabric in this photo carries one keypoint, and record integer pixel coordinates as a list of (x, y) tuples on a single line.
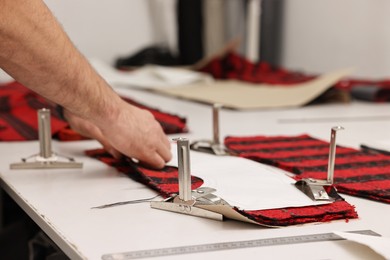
[(241, 95)]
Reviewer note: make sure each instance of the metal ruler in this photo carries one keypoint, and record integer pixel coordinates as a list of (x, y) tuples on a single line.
[(230, 245)]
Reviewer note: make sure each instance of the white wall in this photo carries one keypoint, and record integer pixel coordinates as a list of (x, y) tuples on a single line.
[(319, 36), (105, 29), (323, 35)]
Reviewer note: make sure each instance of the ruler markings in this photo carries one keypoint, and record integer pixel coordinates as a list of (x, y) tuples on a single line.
[(230, 245)]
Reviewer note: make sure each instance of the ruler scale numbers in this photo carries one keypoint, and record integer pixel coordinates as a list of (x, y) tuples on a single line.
[(181, 250)]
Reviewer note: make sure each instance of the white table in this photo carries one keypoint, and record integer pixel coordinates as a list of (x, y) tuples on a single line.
[(60, 201)]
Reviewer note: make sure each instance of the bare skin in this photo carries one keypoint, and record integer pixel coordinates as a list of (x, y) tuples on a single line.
[(36, 51)]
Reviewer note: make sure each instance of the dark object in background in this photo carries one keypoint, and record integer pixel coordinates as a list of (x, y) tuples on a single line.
[(367, 89), (371, 93), (271, 22), (158, 55), (189, 40), (190, 31)]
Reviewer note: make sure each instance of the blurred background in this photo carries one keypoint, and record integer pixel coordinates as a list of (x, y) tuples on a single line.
[(301, 35)]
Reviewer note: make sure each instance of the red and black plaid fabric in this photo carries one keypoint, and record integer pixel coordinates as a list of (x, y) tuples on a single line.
[(358, 173), (18, 116), (368, 90), (18, 113), (233, 66), (350, 83), (165, 182)]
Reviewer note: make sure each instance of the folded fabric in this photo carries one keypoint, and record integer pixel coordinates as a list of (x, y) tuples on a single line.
[(358, 173), (18, 116), (160, 55), (234, 66), (165, 182)]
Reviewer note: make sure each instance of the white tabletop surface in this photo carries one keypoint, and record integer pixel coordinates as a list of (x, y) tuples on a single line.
[(60, 201)]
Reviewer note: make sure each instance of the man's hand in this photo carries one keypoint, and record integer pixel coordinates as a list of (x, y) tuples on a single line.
[(36, 51), (135, 133)]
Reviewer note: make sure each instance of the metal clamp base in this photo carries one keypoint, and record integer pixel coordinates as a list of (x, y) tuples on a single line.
[(53, 162), (200, 196), (319, 190), (208, 146), (323, 189), (45, 159)]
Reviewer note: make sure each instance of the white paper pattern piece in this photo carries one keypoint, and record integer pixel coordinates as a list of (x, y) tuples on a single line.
[(381, 245), (148, 77), (246, 184)]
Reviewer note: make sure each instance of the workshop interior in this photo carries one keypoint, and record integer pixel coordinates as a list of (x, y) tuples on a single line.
[(277, 116)]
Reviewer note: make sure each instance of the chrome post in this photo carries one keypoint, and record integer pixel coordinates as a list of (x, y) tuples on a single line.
[(44, 133), (216, 108), (332, 153), (183, 153)]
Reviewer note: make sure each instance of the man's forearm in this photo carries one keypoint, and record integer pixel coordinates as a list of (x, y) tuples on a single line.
[(35, 51)]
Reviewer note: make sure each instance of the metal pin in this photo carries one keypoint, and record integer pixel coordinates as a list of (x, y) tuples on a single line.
[(216, 108), (190, 202), (332, 153), (44, 133), (183, 153), (213, 146), (46, 158)]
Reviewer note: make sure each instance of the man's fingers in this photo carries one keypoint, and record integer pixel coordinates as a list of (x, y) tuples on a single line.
[(154, 161), (164, 150)]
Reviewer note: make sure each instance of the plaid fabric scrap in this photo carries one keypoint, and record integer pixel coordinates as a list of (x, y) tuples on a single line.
[(165, 182), (359, 173), (18, 113), (18, 116), (234, 66)]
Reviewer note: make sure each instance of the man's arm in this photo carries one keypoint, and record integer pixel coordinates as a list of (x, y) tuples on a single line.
[(35, 51)]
